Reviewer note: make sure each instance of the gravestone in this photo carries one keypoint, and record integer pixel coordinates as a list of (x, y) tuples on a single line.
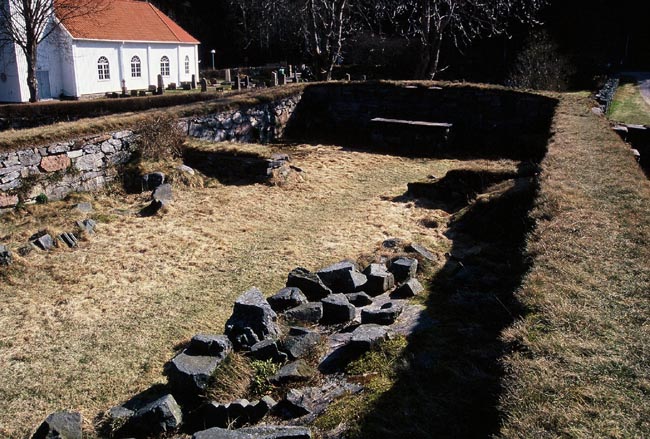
[(237, 83), (290, 71), (204, 85), (193, 82), (123, 87), (161, 85), (282, 79), (227, 74), (348, 77), (245, 83), (275, 79)]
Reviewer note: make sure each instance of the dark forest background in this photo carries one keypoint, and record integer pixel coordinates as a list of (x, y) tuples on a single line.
[(575, 44)]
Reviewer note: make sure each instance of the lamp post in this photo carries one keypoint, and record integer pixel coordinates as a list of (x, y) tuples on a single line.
[(213, 52)]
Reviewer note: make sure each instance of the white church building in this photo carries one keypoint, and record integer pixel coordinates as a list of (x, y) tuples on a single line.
[(129, 40)]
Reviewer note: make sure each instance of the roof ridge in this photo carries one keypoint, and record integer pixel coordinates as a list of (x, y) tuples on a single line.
[(162, 17)]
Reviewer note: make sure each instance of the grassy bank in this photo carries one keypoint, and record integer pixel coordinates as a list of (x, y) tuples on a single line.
[(581, 364), (629, 106)]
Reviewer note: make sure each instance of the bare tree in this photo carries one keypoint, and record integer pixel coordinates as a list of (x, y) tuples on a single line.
[(27, 23), (321, 24), (432, 22)]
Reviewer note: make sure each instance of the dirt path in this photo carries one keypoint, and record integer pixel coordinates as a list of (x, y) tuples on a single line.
[(85, 329)]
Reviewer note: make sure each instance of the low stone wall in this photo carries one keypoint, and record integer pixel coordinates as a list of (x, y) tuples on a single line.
[(55, 170), (262, 123), (89, 163)]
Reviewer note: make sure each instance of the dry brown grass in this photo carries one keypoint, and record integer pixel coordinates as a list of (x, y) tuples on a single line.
[(86, 329), (582, 367)]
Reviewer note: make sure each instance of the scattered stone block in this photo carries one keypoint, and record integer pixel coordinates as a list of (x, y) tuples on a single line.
[(343, 277), (189, 375), (268, 350), (6, 257), (210, 345), (393, 243), (403, 269), (117, 417), (309, 283), (366, 336), (84, 207), (262, 432), (293, 405), (162, 195), (208, 415), (152, 181), (287, 298), (261, 408), (26, 249), (311, 312), (293, 372), (252, 320), (300, 342), (386, 315), (186, 169), (68, 239), (42, 241), (337, 309), (422, 251), (61, 425), (410, 288), (380, 279), (238, 412), (87, 226), (160, 416), (359, 299)]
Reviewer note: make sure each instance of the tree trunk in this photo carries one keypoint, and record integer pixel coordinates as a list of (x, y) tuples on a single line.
[(436, 48), (32, 83)]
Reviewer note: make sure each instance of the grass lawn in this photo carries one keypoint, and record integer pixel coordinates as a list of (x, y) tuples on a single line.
[(629, 106), (85, 329)]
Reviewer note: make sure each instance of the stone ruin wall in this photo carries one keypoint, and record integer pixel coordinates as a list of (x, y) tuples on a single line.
[(89, 163)]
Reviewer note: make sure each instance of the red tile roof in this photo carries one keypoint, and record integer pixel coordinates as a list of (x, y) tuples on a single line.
[(128, 20)]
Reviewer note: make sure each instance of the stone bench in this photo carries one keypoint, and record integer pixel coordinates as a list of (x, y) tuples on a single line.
[(413, 136)]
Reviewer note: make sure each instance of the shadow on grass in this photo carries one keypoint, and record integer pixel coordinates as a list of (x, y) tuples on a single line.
[(448, 384), (228, 167)]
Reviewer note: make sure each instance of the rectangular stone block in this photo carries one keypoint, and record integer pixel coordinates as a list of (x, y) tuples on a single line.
[(75, 154), (10, 177), (29, 157), (54, 163), (89, 162), (9, 170), (7, 200)]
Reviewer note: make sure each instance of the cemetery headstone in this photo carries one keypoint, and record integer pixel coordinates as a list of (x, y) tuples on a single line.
[(237, 83), (161, 85), (193, 82), (204, 85), (275, 79), (227, 74), (348, 77), (282, 80)]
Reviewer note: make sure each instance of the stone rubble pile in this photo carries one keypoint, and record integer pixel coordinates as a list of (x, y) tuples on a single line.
[(314, 326)]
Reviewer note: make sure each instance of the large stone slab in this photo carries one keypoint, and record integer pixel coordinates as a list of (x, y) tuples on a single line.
[(342, 277), (252, 320), (309, 283), (7, 200), (293, 372), (366, 336), (337, 309), (380, 279), (262, 432), (268, 350), (384, 315), (160, 416), (410, 288), (300, 342), (311, 312), (61, 425), (190, 374), (403, 269), (210, 345), (287, 298)]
